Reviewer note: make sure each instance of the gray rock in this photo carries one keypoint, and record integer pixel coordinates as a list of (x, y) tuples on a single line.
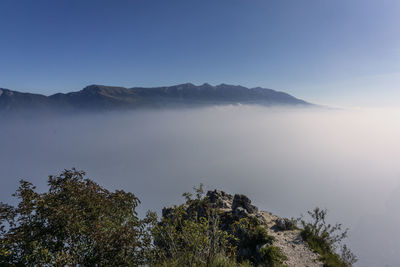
[(221, 199), (240, 213), (262, 246), (284, 224), (261, 218), (243, 202)]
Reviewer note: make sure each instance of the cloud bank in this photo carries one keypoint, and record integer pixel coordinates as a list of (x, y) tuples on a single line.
[(287, 160)]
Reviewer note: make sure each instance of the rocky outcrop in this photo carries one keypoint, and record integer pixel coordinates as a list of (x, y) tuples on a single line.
[(233, 208), (242, 208), (239, 205), (284, 224), (220, 199)]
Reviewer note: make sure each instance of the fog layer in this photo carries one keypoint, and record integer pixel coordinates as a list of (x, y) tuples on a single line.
[(287, 161)]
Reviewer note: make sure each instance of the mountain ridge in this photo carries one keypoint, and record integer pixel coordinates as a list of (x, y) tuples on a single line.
[(102, 97)]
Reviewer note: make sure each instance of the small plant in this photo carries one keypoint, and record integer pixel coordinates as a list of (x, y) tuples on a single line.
[(324, 239), (347, 256), (224, 261)]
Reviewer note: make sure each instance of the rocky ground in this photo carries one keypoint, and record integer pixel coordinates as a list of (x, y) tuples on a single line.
[(290, 243), (286, 237)]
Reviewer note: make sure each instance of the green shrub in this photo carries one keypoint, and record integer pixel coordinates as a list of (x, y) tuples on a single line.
[(197, 233), (251, 235), (273, 256), (224, 261), (75, 222), (188, 239), (219, 261), (324, 239)]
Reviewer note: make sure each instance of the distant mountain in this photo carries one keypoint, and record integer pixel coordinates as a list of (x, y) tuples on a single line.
[(100, 97)]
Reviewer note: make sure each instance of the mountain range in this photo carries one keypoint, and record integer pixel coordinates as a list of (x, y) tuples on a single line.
[(100, 97)]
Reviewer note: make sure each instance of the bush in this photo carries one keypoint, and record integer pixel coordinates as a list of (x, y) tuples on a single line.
[(324, 239), (75, 222), (273, 256), (197, 233), (188, 239), (251, 235), (224, 261)]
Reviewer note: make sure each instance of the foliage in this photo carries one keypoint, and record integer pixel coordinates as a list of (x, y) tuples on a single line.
[(75, 222), (224, 261), (347, 256), (186, 239), (219, 261), (324, 239), (251, 235), (273, 256), (79, 223), (197, 233)]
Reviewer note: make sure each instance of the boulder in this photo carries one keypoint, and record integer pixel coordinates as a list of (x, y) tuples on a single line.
[(244, 202), (284, 224), (240, 213), (220, 199)]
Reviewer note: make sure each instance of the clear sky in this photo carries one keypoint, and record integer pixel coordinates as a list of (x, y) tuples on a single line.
[(338, 52)]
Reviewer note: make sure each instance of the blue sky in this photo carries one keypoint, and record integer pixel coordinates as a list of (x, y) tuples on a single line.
[(341, 52)]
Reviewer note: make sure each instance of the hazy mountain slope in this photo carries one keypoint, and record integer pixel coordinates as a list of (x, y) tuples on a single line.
[(96, 97), (223, 93), (13, 100), (100, 97)]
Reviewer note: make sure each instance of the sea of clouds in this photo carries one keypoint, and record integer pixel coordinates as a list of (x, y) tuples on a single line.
[(286, 160)]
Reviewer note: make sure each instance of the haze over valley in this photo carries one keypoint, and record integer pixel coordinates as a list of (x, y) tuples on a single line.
[(288, 160)]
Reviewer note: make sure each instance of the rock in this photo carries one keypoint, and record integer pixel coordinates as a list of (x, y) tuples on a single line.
[(262, 246), (243, 202), (221, 199), (284, 224), (261, 218), (240, 213)]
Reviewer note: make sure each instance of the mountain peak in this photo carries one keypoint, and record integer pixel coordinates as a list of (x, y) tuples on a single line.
[(98, 87), (105, 90), (91, 88), (206, 85), (186, 85)]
